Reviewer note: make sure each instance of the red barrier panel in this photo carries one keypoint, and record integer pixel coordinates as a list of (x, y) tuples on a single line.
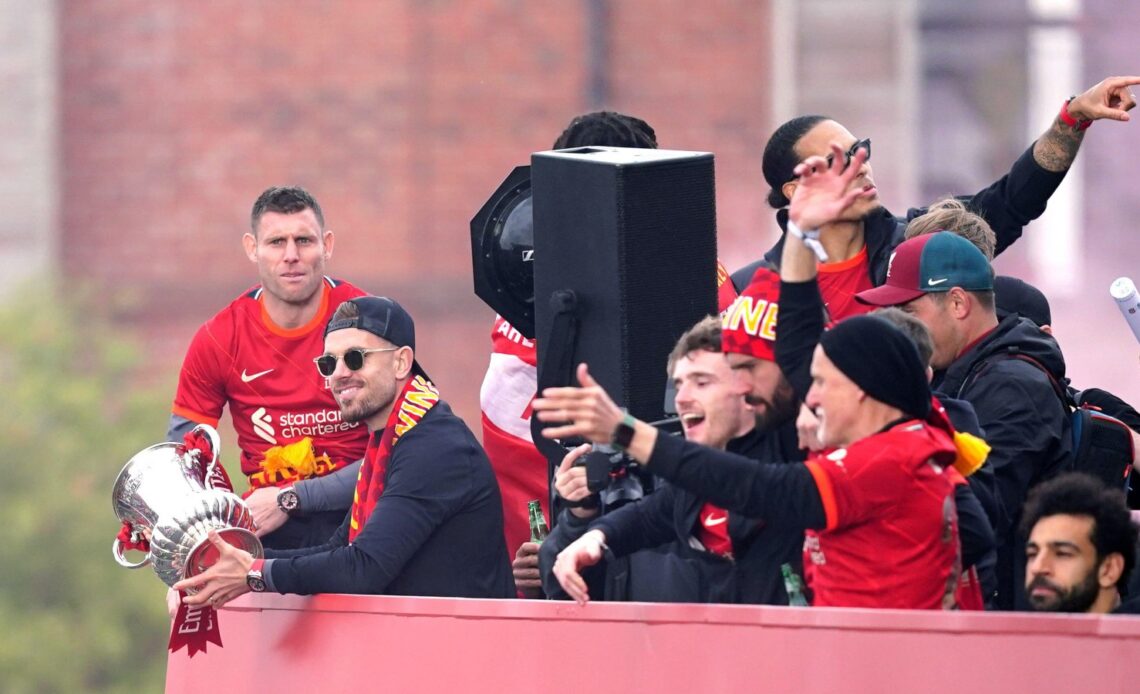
[(351, 643)]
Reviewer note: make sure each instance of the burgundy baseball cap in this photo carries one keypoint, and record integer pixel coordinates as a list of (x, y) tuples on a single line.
[(931, 263)]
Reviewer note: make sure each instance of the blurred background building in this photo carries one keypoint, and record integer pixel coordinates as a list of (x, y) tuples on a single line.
[(135, 134)]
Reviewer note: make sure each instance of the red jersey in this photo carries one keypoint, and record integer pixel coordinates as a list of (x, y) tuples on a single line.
[(891, 539), (265, 375), (840, 282), (505, 397)]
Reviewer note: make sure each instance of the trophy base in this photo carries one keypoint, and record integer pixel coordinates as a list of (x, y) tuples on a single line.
[(204, 554)]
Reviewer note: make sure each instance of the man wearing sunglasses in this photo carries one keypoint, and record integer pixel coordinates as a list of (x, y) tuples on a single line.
[(426, 517), (855, 249), (255, 358)]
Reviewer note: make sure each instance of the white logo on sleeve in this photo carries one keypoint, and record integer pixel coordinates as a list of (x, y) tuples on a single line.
[(934, 283), (263, 425), (247, 377)]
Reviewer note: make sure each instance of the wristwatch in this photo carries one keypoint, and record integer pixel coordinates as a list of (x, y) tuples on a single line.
[(288, 501), (254, 579), (623, 433)]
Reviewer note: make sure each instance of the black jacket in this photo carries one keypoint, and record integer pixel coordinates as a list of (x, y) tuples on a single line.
[(1025, 422), (437, 529), (1008, 205), (658, 532)]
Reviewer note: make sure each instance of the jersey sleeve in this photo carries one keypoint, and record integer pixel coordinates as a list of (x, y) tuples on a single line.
[(201, 393), (855, 483)]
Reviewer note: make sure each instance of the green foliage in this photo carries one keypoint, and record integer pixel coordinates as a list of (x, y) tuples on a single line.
[(71, 619)]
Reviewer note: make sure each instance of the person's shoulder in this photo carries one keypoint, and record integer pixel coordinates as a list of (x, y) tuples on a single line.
[(908, 441), (1130, 606), (224, 325), (441, 434), (343, 290)]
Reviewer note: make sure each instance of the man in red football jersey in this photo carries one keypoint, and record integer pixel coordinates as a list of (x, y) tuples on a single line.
[(256, 357)]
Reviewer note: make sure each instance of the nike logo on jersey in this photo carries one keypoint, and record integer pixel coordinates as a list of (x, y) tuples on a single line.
[(712, 521), (933, 282), (246, 377)]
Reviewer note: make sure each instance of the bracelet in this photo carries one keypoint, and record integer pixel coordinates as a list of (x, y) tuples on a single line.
[(1078, 125), (810, 238)]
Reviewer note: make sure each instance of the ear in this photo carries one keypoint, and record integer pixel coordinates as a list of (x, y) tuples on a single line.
[(1110, 569), (788, 189), (404, 359), (328, 239), (249, 243), (959, 302)]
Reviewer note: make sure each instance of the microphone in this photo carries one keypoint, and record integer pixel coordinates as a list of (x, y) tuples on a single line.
[(1128, 301)]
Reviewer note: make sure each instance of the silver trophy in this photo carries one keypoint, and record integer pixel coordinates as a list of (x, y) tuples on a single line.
[(171, 493)]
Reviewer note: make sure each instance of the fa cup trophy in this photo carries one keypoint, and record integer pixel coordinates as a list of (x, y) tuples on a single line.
[(172, 493)]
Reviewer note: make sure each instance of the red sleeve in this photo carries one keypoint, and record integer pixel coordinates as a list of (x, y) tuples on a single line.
[(201, 393), (856, 482)]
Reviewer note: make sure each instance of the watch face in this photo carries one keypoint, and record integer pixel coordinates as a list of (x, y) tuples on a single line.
[(623, 435), (288, 500), (255, 582)]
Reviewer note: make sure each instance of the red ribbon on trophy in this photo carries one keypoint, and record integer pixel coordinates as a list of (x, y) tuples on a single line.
[(195, 626), (215, 476)]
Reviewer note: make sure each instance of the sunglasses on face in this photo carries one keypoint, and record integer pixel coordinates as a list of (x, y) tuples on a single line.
[(850, 154), (353, 359)]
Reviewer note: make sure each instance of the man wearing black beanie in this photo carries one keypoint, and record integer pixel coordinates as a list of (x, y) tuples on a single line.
[(882, 361)]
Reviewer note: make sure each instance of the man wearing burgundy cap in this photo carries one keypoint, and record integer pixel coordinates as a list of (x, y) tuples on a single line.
[(997, 366)]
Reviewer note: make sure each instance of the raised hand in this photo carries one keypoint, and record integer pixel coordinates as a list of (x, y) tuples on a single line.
[(824, 191), (1110, 98), (587, 411)]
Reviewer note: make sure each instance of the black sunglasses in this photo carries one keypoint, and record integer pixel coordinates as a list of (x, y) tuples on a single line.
[(850, 154), (353, 359)]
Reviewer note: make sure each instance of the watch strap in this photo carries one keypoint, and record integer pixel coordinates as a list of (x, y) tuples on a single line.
[(1078, 125), (623, 432)]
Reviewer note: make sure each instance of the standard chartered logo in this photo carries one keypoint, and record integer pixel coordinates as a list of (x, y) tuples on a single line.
[(293, 425), (263, 425)]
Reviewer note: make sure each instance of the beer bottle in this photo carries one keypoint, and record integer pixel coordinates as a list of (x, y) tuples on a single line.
[(538, 527), (793, 586)]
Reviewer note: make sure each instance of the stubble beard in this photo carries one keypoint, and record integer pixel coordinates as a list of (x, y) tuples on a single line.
[(1077, 599)]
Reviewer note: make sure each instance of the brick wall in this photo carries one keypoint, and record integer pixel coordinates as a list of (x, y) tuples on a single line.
[(402, 117)]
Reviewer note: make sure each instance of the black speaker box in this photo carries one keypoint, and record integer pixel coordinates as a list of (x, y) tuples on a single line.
[(632, 232)]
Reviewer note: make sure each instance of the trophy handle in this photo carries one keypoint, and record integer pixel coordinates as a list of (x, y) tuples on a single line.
[(215, 445), (117, 550)]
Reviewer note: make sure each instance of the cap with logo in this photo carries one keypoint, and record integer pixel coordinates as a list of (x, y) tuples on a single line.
[(384, 318), (749, 325), (931, 263)]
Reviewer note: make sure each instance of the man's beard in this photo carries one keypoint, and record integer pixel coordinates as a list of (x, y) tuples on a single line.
[(1079, 598), (778, 411)]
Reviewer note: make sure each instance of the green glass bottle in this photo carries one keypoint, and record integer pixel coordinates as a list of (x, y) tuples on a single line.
[(793, 586), (538, 527)]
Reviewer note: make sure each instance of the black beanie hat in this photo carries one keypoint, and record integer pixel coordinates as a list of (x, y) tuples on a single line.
[(882, 361)]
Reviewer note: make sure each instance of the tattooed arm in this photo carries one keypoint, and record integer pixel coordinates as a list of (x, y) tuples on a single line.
[(1111, 98)]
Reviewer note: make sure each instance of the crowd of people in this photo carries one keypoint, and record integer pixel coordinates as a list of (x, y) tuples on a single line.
[(875, 419)]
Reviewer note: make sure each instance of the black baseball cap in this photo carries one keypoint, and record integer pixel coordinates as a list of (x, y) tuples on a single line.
[(385, 318)]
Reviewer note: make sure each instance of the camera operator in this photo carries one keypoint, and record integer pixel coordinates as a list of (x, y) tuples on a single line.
[(717, 556)]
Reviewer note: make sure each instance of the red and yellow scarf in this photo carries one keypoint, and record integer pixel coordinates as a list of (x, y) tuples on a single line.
[(417, 397)]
